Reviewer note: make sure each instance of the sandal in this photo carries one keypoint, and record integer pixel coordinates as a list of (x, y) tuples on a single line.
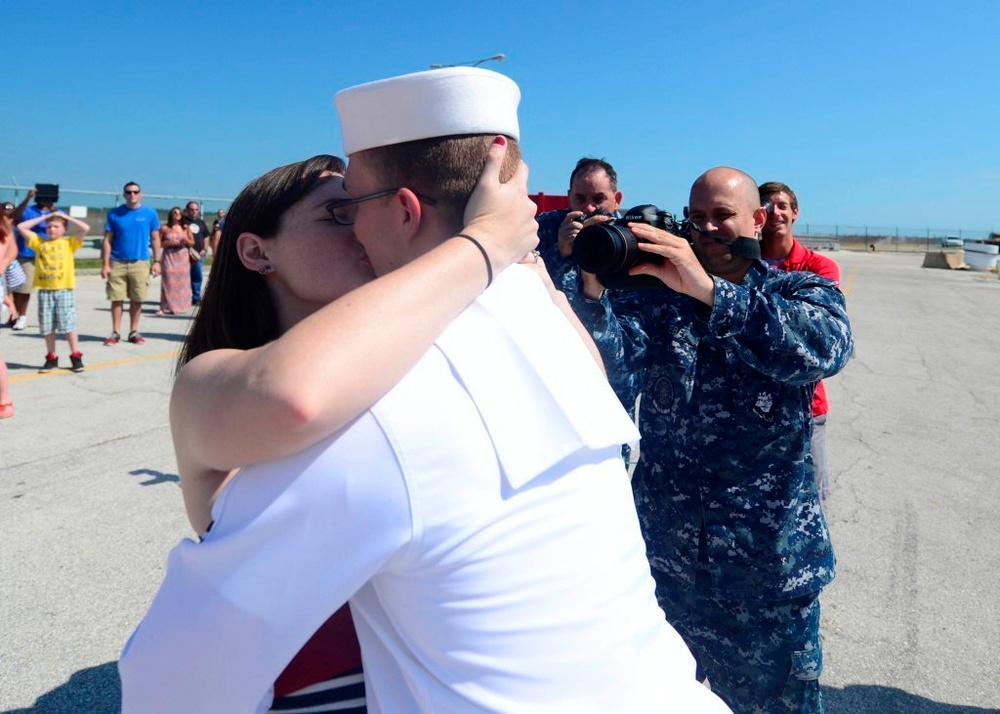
[(6, 410)]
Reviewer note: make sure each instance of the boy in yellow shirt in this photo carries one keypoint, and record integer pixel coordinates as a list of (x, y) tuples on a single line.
[(55, 279)]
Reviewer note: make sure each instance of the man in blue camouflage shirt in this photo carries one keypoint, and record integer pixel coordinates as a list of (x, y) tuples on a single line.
[(593, 189), (727, 358)]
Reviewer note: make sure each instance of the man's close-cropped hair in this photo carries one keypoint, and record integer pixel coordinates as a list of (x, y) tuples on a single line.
[(446, 169)]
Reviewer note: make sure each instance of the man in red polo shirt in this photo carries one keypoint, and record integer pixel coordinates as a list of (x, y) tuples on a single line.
[(780, 249)]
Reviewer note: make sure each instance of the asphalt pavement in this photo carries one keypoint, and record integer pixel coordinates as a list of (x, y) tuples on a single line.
[(90, 506)]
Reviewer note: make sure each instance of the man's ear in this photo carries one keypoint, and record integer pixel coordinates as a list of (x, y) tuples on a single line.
[(759, 219), (618, 200), (411, 212), (252, 250)]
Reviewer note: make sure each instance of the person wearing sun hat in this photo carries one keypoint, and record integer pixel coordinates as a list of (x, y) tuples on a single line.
[(478, 518)]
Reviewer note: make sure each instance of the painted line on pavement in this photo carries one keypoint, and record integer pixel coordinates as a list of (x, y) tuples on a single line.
[(845, 287), (62, 371)]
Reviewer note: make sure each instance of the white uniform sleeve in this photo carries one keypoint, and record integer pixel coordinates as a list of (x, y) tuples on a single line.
[(293, 539)]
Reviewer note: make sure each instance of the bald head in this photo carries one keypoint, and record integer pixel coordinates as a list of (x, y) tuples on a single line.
[(737, 184), (724, 206)]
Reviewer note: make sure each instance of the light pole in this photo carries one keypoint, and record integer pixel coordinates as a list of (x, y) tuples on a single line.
[(473, 63)]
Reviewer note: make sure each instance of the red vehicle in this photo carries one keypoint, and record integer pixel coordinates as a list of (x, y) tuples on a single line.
[(549, 203)]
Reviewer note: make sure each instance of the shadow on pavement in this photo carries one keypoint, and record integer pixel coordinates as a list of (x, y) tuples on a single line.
[(95, 690), (167, 336), (875, 699), (19, 365), (155, 477)]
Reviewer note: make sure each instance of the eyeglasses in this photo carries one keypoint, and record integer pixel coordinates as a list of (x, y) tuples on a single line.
[(8, 206), (343, 210), (131, 191)]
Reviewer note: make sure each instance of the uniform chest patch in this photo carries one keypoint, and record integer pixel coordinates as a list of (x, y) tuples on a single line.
[(663, 395), (763, 405)]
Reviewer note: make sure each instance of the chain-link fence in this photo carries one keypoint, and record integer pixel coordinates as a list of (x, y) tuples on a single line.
[(881, 238), (103, 201), (93, 206)]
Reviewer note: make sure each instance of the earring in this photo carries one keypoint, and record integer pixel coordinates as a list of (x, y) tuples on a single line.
[(264, 269)]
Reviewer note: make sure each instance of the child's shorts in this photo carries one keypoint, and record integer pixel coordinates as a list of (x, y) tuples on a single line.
[(13, 277), (28, 268), (56, 311)]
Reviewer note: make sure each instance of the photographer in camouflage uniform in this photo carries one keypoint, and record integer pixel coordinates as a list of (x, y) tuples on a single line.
[(593, 189), (727, 358)]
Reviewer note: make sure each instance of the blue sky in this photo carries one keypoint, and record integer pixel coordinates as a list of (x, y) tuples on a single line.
[(879, 114)]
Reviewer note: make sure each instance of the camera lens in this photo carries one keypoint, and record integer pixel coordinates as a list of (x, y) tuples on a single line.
[(605, 248)]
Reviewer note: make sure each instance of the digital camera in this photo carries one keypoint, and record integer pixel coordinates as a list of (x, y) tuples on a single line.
[(610, 249)]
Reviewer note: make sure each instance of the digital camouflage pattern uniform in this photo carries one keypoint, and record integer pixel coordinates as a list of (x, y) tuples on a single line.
[(725, 491), (565, 274), (563, 271)]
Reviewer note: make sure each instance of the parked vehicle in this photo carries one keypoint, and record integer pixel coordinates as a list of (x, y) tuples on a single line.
[(952, 240)]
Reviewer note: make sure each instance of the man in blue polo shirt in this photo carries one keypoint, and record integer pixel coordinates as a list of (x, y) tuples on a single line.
[(129, 231)]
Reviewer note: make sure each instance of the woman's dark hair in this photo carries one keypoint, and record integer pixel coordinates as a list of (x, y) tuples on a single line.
[(237, 311), (171, 212)]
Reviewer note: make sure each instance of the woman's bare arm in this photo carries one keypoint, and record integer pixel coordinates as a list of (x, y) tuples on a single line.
[(8, 250)]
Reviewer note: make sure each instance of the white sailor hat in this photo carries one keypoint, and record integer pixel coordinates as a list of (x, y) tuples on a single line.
[(424, 105)]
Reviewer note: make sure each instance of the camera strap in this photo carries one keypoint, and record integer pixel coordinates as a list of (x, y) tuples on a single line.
[(744, 247), (739, 247)]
